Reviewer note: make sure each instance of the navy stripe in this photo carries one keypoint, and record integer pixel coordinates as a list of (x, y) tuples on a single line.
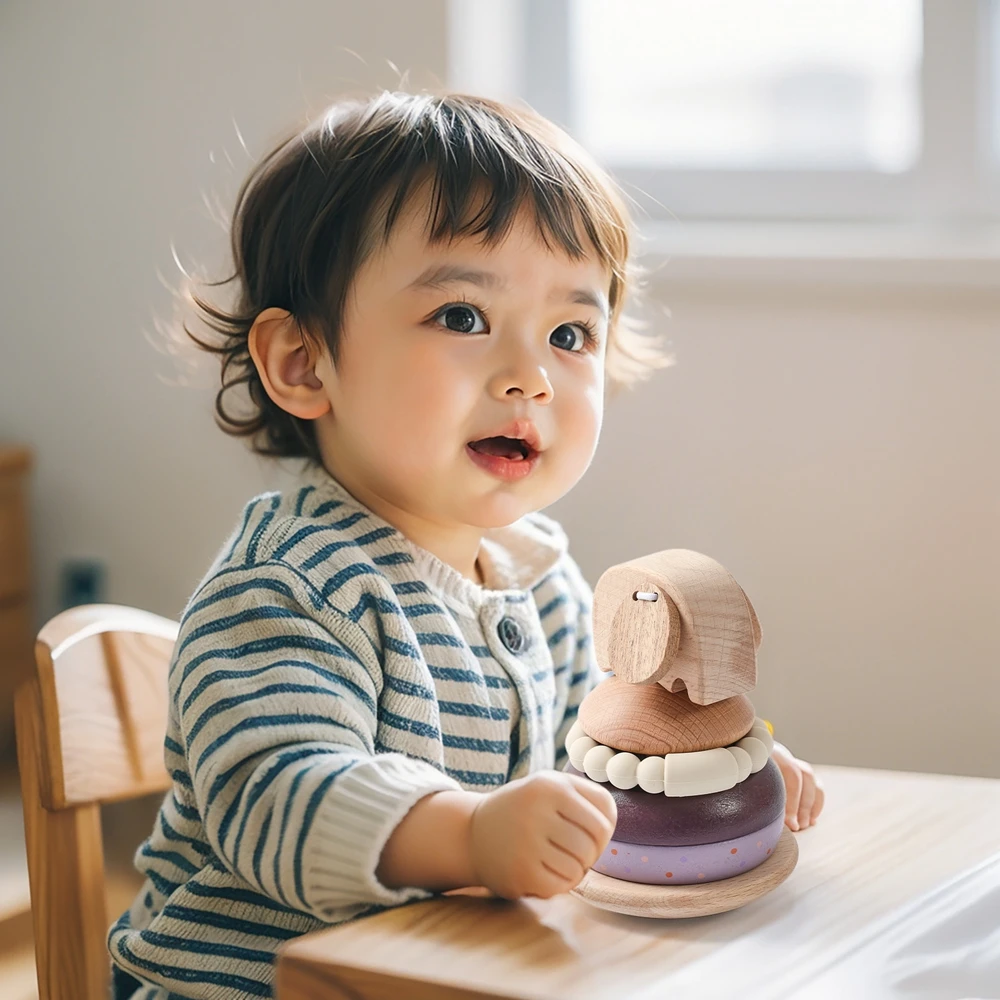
[(247, 512), (477, 777), (408, 725), (224, 922), (218, 676), (251, 795), (411, 587), (219, 949), (376, 535), (171, 834), (325, 508), (393, 559), (301, 535), (258, 532), (556, 602), (419, 610), (163, 885), (559, 635), (235, 895), (236, 589), (321, 555), (272, 644), (439, 639), (225, 704), (258, 852), (296, 783), (473, 711), (307, 820), (457, 674), (263, 722), (246, 616), (301, 499), (252, 986), (344, 576), (186, 811), (474, 743), (171, 857), (403, 648), (372, 602), (398, 684)]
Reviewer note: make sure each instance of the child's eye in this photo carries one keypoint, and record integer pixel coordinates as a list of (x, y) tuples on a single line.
[(572, 336), (462, 318)]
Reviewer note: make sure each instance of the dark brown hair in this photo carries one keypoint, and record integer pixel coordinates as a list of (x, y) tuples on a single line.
[(326, 197)]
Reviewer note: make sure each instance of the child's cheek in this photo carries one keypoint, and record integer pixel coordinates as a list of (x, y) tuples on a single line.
[(429, 397)]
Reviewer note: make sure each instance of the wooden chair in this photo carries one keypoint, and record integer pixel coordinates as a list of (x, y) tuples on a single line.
[(90, 723)]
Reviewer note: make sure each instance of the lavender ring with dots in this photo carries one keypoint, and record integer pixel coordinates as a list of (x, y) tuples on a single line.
[(687, 865)]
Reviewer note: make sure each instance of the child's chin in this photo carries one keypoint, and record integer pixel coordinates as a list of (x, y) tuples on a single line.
[(500, 511)]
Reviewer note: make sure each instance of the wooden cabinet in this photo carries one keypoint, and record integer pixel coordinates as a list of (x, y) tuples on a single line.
[(16, 624)]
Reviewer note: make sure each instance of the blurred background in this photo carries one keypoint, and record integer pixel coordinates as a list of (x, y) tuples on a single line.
[(817, 190)]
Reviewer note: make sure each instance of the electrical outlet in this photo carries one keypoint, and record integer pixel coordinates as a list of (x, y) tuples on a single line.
[(81, 581)]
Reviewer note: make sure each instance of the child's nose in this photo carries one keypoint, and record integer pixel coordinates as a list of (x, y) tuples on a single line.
[(528, 380), (521, 372)]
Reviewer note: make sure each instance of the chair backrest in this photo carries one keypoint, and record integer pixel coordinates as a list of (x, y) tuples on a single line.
[(90, 725)]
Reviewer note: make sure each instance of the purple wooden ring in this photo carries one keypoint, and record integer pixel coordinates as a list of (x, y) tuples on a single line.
[(677, 821), (686, 865)]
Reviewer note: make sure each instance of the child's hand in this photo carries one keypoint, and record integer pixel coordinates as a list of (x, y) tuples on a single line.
[(803, 790), (539, 835)]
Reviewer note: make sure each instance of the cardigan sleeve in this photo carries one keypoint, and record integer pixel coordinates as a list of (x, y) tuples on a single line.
[(274, 706)]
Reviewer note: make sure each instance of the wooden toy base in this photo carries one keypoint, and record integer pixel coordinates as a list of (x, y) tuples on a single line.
[(669, 901)]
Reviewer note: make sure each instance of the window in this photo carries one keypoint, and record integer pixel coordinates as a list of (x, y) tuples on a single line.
[(826, 110)]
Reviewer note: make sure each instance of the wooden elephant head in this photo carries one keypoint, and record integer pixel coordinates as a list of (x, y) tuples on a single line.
[(677, 618)]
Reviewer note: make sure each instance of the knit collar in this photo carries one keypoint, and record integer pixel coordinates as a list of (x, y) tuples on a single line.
[(512, 558)]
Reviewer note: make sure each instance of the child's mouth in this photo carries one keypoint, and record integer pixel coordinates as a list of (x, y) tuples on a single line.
[(507, 458)]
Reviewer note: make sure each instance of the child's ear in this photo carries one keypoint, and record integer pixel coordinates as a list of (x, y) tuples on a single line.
[(286, 357)]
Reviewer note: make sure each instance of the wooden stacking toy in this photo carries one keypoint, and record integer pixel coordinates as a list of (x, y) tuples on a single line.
[(673, 736)]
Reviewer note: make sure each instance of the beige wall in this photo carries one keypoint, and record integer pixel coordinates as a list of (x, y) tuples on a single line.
[(836, 449), (112, 116)]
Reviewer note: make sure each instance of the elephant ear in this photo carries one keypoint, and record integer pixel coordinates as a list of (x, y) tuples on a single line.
[(637, 626), (754, 621)]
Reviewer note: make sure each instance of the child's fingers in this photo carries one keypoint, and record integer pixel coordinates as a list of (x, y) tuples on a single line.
[(579, 811), (806, 800), (817, 803), (562, 864), (793, 792), (598, 796), (577, 843)]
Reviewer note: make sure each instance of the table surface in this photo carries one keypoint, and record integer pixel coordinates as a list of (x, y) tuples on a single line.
[(884, 838)]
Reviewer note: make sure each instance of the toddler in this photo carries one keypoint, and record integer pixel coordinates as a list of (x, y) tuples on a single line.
[(372, 683)]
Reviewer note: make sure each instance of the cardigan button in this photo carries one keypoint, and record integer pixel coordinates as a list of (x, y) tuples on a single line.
[(512, 635)]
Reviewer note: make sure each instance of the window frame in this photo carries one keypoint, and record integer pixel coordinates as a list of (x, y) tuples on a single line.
[(955, 180)]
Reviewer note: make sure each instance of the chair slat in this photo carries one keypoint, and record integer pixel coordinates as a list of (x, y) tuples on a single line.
[(90, 727), (110, 691)]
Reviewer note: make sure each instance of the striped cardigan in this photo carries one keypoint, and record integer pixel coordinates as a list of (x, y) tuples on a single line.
[(329, 673)]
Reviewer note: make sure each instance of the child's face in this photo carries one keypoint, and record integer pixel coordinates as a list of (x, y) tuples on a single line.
[(426, 368)]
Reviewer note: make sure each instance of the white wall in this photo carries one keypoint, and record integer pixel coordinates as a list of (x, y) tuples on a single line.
[(835, 449)]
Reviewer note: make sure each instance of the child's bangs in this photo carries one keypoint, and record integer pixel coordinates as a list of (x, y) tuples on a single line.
[(480, 172)]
